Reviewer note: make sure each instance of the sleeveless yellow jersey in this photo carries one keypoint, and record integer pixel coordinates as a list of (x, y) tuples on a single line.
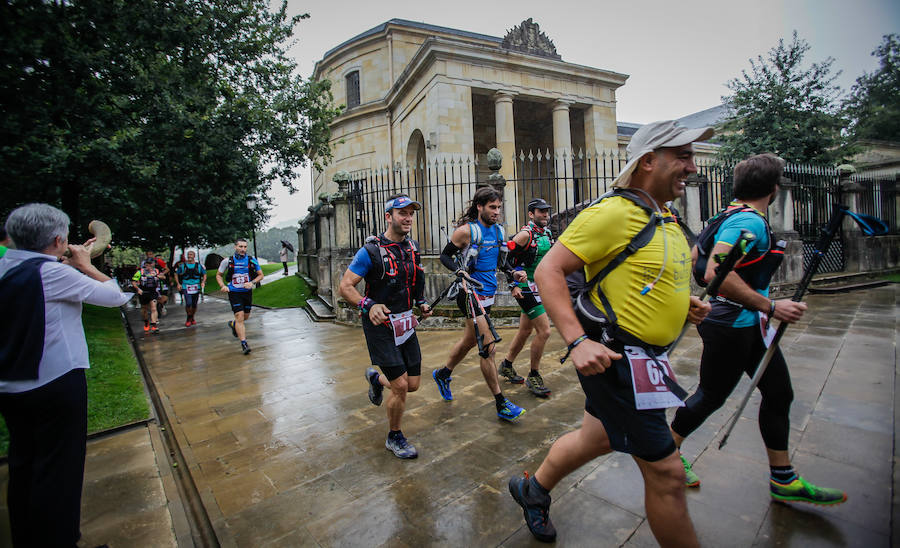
[(599, 233)]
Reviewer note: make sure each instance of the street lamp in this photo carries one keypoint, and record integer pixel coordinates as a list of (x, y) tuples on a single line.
[(251, 205)]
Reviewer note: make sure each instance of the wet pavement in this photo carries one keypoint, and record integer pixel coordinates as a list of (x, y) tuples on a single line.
[(286, 450)]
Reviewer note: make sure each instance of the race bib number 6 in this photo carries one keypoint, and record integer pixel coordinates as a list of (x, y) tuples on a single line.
[(650, 390), (403, 325)]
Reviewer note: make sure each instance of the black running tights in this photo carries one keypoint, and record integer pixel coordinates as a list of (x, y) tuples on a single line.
[(729, 352)]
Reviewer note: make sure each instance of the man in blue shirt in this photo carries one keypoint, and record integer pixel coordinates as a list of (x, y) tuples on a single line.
[(242, 272), (735, 334), (395, 282), (191, 279), (479, 238)]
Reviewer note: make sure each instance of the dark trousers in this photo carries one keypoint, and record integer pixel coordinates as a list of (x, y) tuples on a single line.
[(47, 437), (285, 266), (728, 354)]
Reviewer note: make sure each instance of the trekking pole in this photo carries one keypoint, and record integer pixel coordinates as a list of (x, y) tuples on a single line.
[(821, 248), (726, 265)]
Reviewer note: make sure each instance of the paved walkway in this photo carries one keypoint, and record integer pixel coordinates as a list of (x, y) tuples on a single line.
[(286, 450)]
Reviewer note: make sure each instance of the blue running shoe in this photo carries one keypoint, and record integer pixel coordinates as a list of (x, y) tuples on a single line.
[(400, 447), (510, 411), (443, 385), (375, 387), (536, 508)]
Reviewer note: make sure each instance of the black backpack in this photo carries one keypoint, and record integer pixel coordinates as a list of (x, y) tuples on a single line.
[(706, 240)]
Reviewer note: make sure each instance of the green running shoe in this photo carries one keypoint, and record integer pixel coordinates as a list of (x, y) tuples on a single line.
[(800, 490), (691, 479)]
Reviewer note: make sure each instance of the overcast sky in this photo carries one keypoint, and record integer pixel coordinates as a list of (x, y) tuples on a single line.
[(678, 55)]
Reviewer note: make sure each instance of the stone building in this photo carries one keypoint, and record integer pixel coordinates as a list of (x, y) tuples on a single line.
[(416, 93)]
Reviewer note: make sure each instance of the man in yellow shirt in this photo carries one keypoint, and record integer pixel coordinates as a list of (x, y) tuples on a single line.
[(642, 304)]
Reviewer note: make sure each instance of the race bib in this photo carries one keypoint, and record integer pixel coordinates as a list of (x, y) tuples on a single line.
[(238, 280), (650, 390), (192, 289), (404, 325), (534, 291), (485, 300), (766, 329)]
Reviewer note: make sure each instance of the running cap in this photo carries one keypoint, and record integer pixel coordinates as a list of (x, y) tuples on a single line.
[(656, 135), (538, 203), (400, 203)]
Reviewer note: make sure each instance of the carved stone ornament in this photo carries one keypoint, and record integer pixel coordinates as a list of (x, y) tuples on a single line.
[(494, 159), (342, 178), (528, 38)]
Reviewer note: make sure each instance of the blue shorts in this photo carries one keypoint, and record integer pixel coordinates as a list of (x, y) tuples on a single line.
[(241, 301), (190, 300)]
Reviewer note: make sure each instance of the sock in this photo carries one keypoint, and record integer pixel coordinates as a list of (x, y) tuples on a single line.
[(499, 400), (444, 373), (243, 342), (783, 474), (533, 373), (394, 434)]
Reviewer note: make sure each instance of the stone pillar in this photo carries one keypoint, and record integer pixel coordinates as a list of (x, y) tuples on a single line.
[(689, 204), (342, 222), (781, 219), (852, 237), (496, 180), (600, 129), (326, 227), (562, 153), (506, 130)]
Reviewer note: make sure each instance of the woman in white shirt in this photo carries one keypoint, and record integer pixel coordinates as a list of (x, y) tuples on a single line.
[(43, 355)]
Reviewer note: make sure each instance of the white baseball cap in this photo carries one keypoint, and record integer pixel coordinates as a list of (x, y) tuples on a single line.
[(656, 135)]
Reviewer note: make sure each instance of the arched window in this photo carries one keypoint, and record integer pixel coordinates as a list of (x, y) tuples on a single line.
[(352, 82)]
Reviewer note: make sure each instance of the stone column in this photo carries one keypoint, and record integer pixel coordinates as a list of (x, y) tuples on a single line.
[(781, 219), (600, 129), (506, 145), (325, 213), (506, 131), (852, 236), (689, 204), (562, 152)]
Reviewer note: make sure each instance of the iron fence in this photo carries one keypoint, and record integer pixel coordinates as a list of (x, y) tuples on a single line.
[(569, 181)]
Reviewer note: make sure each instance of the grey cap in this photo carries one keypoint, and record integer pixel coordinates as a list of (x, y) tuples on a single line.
[(656, 135)]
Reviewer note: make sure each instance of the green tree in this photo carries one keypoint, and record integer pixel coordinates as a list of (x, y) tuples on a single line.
[(157, 117), (781, 106), (873, 105)]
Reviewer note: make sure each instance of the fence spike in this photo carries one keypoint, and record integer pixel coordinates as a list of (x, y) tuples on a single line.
[(580, 154), (521, 155), (475, 160), (547, 154), (531, 155)]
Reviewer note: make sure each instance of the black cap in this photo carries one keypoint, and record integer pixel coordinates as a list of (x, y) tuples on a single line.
[(538, 203)]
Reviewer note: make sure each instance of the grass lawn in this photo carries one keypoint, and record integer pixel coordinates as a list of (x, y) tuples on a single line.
[(292, 291), (895, 277), (115, 389)]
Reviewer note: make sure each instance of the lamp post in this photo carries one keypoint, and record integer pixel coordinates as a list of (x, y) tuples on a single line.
[(251, 205)]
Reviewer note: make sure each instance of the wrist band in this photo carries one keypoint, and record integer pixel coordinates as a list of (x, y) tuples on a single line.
[(572, 346), (365, 304), (421, 302), (771, 309)]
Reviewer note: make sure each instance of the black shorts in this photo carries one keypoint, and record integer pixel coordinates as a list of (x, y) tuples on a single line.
[(147, 297), (190, 300), (609, 395), (393, 360), (461, 304), (241, 301)]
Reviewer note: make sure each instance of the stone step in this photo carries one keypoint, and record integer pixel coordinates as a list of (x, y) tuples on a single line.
[(319, 310)]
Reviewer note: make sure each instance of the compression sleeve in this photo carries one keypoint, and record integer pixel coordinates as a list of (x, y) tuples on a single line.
[(448, 256)]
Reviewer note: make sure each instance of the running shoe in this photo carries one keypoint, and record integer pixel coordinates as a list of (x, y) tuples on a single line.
[(506, 370), (691, 479), (536, 508), (245, 348), (233, 330), (187, 323), (401, 447), (510, 411), (800, 490), (154, 328), (146, 327), (193, 321), (535, 383), (443, 385), (375, 387)]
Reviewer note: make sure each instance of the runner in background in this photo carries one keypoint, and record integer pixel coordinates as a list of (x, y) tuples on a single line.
[(190, 277)]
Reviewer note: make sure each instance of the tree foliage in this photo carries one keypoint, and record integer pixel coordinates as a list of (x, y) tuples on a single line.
[(873, 105), (157, 117), (781, 106)]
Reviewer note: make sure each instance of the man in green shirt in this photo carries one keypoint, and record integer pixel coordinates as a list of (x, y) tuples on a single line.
[(4, 241), (527, 248)]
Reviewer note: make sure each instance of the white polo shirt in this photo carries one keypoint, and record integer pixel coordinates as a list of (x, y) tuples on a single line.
[(65, 288)]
